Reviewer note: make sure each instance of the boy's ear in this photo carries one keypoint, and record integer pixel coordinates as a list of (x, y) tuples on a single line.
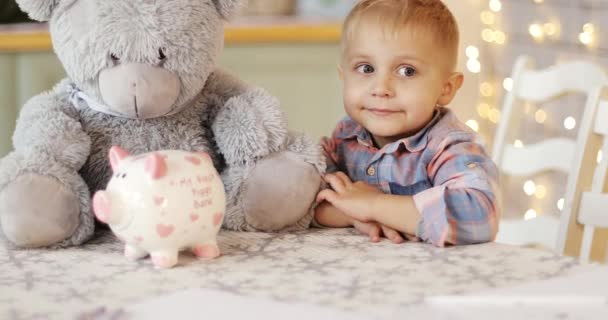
[(41, 10), (340, 72), (451, 86), (227, 8)]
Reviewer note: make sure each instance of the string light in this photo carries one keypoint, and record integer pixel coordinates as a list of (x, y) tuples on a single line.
[(473, 124), (540, 116), (540, 31), (518, 144), (570, 123), (488, 35), (530, 214), (500, 37), (486, 89), (483, 109), (474, 66), (472, 52), (536, 31), (495, 5), (588, 36), (540, 192), (530, 187), (494, 115), (551, 29), (488, 17), (508, 84), (495, 36)]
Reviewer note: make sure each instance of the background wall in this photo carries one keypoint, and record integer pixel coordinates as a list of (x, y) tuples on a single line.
[(302, 75)]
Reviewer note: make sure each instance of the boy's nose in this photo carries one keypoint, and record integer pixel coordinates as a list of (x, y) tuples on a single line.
[(382, 89)]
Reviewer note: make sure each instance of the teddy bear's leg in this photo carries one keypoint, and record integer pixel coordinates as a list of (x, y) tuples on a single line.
[(280, 191), (43, 203), (277, 192), (272, 176)]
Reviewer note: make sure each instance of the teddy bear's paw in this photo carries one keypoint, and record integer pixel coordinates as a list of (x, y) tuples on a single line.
[(250, 126), (308, 150), (238, 133), (279, 192), (271, 117), (38, 211)]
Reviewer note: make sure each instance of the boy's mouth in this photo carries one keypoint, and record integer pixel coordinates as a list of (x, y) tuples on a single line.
[(382, 111)]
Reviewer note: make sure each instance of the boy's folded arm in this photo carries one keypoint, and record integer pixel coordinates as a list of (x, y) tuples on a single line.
[(456, 216), (463, 206), (326, 215)]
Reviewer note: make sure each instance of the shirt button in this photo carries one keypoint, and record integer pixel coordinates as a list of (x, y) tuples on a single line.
[(472, 165), (371, 171)]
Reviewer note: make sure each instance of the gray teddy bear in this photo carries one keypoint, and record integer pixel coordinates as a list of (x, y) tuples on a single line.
[(142, 75)]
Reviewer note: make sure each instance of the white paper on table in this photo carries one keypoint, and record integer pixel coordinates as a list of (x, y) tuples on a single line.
[(582, 295), (211, 304), (589, 287)]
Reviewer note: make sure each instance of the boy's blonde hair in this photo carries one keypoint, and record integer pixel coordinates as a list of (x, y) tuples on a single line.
[(432, 17)]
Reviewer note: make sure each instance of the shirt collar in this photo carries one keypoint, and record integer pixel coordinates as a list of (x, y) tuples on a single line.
[(414, 143)]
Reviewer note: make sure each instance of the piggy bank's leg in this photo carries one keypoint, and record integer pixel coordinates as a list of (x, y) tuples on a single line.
[(278, 191), (134, 253), (206, 251), (164, 259)]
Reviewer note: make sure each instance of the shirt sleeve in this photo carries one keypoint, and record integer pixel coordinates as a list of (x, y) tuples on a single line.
[(330, 150), (463, 205)]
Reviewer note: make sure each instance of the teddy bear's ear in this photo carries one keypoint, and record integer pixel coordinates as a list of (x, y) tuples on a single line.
[(227, 8), (40, 10)]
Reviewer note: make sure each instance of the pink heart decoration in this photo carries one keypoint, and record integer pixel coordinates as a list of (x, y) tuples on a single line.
[(194, 217), (159, 201), (194, 160), (164, 230), (217, 218)]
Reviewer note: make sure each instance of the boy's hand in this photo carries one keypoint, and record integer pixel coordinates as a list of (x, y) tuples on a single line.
[(354, 199), (374, 230)]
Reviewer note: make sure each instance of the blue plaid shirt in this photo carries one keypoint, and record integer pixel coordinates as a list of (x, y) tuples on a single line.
[(444, 167)]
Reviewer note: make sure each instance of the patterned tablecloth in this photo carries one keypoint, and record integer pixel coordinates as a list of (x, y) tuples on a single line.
[(337, 268)]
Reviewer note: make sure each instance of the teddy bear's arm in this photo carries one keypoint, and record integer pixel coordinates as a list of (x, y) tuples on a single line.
[(49, 124), (250, 124), (43, 199), (272, 175)]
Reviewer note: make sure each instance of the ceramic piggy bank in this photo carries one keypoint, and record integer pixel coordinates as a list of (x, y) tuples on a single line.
[(161, 203)]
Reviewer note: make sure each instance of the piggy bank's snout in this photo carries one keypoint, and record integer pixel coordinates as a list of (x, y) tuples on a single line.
[(102, 206)]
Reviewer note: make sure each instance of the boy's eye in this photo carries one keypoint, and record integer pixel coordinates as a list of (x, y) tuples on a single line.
[(365, 68), (407, 71)]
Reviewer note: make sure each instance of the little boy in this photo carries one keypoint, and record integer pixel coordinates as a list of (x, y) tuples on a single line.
[(401, 164)]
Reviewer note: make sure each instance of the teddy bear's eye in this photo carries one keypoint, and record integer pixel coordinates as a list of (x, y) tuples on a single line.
[(161, 54), (114, 57)]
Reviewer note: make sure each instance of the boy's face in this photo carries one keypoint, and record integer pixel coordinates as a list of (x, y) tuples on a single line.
[(394, 81)]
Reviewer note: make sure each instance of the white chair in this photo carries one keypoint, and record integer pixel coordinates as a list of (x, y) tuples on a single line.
[(558, 154), (591, 207)]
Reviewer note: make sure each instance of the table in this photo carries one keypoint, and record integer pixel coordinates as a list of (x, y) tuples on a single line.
[(336, 268)]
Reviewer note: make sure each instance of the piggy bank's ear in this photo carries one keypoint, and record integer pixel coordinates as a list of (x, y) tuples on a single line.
[(117, 154), (40, 10), (155, 166), (227, 8)]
